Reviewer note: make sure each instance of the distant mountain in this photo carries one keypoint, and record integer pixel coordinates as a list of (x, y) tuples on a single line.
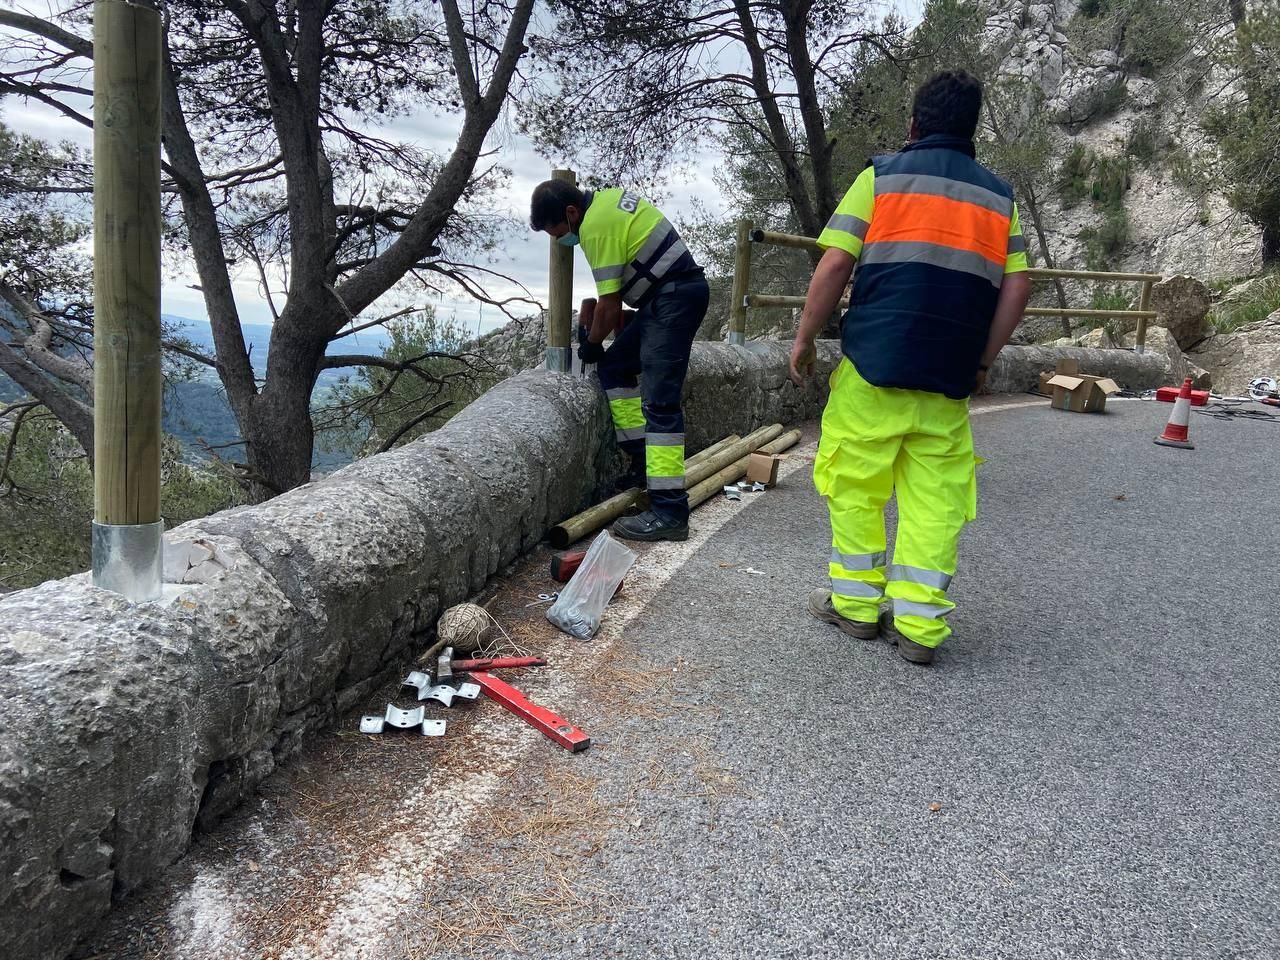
[(197, 412), (257, 338)]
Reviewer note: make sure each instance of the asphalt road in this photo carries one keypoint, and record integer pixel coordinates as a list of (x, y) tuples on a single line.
[(1088, 770)]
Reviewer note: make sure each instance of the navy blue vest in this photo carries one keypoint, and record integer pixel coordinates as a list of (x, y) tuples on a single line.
[(927, 281)]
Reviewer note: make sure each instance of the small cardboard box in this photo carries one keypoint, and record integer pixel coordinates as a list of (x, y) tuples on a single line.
[(1082, 393), (763, 468), (1067, 365)]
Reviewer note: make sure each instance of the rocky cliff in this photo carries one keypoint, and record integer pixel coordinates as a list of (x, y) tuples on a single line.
[(1130, 116)]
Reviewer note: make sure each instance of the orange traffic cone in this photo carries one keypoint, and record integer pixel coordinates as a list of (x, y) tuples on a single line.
[(1176, 430)]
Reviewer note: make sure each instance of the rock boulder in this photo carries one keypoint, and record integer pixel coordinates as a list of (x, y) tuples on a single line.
[(1238, 357), (1181, 304)]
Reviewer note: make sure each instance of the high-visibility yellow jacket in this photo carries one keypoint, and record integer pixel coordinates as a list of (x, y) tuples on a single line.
[(631, 247)]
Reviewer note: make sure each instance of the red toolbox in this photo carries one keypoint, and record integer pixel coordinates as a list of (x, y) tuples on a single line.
[(1169, 394)]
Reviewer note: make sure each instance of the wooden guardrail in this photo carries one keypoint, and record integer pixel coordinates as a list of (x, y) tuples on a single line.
[(744, 299)]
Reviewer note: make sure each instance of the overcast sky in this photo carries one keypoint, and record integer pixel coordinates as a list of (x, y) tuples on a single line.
[(523, 255)]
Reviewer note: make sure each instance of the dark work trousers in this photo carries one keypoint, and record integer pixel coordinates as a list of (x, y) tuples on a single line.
[(648, 420)]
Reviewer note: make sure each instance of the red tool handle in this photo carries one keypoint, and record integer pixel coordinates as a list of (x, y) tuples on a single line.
[(540, 718), (498, 663), (566, 565)]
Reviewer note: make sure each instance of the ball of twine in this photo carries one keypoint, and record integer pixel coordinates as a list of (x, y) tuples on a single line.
[(466, 627)]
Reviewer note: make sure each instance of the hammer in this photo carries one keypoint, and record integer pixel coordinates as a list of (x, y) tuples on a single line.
[(444, 666)]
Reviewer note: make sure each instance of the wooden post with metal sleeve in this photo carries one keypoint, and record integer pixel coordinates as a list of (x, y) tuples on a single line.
[(127, 544), (560, 297), (741, 285)]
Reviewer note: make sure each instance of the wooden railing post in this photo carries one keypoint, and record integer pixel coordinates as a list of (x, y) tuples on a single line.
[(741, 285), (127, 527), (560, 297), (1144, 303)]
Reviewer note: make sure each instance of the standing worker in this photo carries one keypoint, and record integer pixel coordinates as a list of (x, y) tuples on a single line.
[(637, 258), (939, 289)]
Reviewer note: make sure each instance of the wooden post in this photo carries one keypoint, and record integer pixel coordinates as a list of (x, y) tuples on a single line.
[(560, 297), (126, 284), (1144, 303), (741, 284)]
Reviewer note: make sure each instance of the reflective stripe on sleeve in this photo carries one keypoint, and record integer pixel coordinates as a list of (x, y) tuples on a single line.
[(847, 223)]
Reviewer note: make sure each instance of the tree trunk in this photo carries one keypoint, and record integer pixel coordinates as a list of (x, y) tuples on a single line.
[(1033, 208), (279, 433)]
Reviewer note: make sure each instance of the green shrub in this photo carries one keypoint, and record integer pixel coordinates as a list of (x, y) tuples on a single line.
[(1110, 298), (1157, 33), (1106, 241), (1110, 181), (1259, 303), (1147, 140), (1074, 175)]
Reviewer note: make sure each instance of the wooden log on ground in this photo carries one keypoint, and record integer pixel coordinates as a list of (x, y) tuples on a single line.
[(697, 468), (704, 491)]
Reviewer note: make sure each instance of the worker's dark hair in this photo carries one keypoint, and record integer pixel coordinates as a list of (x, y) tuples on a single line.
[(948, 102), (550, 198)]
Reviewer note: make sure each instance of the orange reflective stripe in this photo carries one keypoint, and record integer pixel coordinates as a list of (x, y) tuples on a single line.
[(924, 218)]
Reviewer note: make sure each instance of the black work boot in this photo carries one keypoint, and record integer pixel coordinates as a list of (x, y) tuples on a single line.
[(820, 606), (650, 526), (908, 649)]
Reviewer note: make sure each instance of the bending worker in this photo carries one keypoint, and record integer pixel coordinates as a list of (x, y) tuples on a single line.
[(940, 287), (637, 258)]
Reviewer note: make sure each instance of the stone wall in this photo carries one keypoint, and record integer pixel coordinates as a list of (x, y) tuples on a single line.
[(123, 728)]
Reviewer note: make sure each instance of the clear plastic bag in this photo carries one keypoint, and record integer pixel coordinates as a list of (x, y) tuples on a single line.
[(582, 601)]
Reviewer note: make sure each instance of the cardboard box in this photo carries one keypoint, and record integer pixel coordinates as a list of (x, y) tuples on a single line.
[(1082, 393), (1068, 366), (763, 468)]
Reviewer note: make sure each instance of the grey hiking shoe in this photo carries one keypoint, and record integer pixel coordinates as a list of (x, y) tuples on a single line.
[(649, 526), (821, 608), (907, 649)]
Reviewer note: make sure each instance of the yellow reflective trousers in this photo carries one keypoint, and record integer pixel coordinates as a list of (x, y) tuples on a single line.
[(877, 442)]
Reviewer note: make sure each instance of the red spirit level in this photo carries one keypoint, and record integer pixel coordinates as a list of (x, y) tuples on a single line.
[(540, 718)]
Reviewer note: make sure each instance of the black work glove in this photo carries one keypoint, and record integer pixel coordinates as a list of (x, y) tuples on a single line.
[(589, 352)]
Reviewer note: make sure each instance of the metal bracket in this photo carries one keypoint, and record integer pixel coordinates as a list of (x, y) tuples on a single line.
[(445, 694), (418, 680), (732, 492), (440, 692), (403, 720)]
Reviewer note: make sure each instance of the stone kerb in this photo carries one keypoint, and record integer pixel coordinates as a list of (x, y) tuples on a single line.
[(1017, 369)]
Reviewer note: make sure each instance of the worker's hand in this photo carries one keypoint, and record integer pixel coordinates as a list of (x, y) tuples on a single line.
[(589, 352), (980, 382), (803, 358)]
